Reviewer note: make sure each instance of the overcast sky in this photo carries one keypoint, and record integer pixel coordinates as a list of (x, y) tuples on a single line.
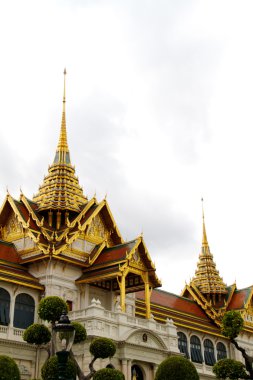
[(159, 115)]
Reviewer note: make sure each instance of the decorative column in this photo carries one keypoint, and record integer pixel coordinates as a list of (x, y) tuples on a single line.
[(124, 367), (155, 366), (129, 368), (122, 286), (148, 291)]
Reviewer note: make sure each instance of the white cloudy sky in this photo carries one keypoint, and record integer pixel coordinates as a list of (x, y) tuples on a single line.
[(159, 114)]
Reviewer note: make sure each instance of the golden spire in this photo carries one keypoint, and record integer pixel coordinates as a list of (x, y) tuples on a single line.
[(207, 277), (204, 238), (62, 151), (60, 189)]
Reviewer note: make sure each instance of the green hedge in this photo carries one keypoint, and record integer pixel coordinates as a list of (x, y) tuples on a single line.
[(49, 369), (51, 308), (8, 369), (176, 368), (37, 334), (102, 348), (108, 374)]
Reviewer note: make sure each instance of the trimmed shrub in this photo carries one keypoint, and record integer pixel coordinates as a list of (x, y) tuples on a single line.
[(37, 334), (80, 332), (176, 368), (51, 308), (229, 368), (49, 369), (231, 324), (8, 369), (108, 374), (102, 348)]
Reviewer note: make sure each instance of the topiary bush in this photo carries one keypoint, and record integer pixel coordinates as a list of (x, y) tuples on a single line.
[(102, 348), (37, 334), (232, 324), (80, 332), (176, 368), (51, 308), (229, 369), (108, 374), (8, 369), (49, 370)]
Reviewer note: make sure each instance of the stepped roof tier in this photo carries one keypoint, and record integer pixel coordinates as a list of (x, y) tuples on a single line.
[(207, 278), (207, 287), (60, 189)]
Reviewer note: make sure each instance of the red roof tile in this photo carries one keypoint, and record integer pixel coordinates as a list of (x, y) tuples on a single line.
[(8, 252), (172, 301), (239, 298)]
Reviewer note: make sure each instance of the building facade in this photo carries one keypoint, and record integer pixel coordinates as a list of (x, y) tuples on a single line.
[(62, 243)]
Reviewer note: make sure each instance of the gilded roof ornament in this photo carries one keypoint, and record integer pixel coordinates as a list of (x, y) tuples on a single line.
[(60, 189), (207, 278)]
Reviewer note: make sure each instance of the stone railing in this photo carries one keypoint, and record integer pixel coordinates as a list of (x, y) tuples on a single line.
[(117, 325), (11, 333)]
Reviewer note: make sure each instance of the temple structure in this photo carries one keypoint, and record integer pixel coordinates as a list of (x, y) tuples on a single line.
[(62, 243)]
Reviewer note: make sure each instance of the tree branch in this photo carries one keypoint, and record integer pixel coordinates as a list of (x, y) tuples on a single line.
[(248, 359)]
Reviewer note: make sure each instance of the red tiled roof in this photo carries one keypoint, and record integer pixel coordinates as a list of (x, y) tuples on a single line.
[(239, 298), (8, 252), (172, 301), (114, 254)]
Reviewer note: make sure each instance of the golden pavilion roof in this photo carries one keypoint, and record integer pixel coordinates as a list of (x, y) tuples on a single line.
[(207, 278), (60, 189)]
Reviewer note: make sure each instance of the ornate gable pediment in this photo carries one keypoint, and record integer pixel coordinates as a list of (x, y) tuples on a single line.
[(98, 231), (12, 229)]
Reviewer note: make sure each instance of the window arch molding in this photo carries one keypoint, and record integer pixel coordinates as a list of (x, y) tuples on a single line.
[(5, 301), (196, 349), (23, 310), (183, 343), (209, 352), (221, 351)]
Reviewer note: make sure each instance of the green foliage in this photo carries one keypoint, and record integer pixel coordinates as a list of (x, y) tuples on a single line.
[(108, 374), (80, 332), (37, 334), (176, 368), (229, 369), (49, 369), (51, 308), (8, 369), (232, 324), (102, 348)]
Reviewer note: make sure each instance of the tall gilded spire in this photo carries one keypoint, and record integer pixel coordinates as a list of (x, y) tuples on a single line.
[(60, 189), (62, 152), (207, 277), (204, 237)]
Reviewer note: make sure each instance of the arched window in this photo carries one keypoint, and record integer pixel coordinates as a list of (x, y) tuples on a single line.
[(5, 300), (221, 351), (24, 311), (182, 344), (209, 352), (196, 355)]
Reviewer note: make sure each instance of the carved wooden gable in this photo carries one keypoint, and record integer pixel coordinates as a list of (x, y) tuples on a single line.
[(98, 231), (12, 229), (136, 260)]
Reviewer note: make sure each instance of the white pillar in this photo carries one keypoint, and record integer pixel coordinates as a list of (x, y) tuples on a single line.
[(124, 367), (155, 366), (129, 372)]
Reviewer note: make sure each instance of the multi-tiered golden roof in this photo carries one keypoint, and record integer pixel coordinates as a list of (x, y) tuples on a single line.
[(207, 278), (60, 189)]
